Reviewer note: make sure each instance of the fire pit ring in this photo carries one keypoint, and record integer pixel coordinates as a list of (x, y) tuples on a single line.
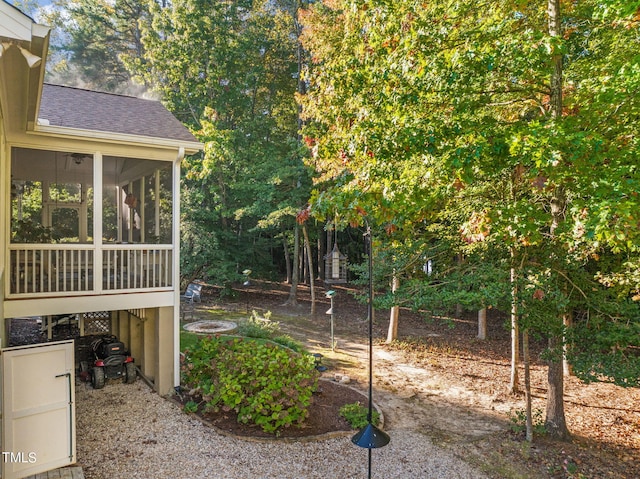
[(211, 327)]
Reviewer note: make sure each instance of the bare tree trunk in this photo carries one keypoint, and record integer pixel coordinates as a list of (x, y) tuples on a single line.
[(527, 385), (567, 320), (553, 12), (514, 383), (482, 323), (392, 335), (312, 284), (555, 421), (459, 310), (319, 256), (293, 291), (304, 270), (287, 257)]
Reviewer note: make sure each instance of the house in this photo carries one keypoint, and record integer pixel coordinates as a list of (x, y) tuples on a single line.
[(89, 227)]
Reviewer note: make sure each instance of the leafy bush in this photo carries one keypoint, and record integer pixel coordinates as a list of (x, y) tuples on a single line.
[(356, 415), (257, 326), (190, 407), (288, 342), (518, 420), (263, 383)]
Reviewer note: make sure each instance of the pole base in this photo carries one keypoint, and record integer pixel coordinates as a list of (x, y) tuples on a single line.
[(371, 437)]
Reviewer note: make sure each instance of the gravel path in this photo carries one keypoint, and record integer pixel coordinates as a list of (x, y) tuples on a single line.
[(127, 431)]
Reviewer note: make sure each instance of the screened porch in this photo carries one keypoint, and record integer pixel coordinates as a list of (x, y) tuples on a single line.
[(86, 224)]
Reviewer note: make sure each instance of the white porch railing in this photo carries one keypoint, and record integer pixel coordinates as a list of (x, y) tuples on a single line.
[(63, 269)]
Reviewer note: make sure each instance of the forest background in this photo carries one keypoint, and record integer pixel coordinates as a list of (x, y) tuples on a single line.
[(490, 147)]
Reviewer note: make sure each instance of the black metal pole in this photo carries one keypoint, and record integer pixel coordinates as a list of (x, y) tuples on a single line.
[(370, 308), (370, 436)]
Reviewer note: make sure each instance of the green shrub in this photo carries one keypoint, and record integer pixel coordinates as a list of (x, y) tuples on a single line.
[(356, 415), (518, 420), (288, 342), (257, 326), (190, 407), (263, 383)]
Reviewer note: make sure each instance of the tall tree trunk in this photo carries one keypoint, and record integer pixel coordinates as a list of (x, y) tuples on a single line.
[(482, 323), (287, 257), (392, 335), (304, 260), (527, 385), (567, 321), (555, 420), (459, 310), (293, 291), (553, 11), (312, 284), (319, 255), (514, 383)]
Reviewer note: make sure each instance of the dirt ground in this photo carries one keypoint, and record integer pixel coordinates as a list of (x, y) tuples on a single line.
[(440, 379)]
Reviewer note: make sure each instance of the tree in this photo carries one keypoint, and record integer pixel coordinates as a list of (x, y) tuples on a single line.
[(27, 6), (93, 42), (227, 69), (450, 119)]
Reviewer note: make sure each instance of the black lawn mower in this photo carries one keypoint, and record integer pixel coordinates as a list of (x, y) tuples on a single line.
[(111, 361)]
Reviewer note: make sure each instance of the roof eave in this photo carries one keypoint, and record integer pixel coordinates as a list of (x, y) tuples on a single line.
[(20, 29), (190, 147), (40, 41)]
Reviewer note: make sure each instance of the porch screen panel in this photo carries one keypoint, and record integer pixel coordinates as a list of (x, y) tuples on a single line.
[(137, 201)]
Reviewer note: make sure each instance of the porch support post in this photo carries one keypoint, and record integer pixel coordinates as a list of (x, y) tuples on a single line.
[(5, 231), (98, 272), (156, 206), (131, 216), (165, 340), (148, 362), (143, 210), (176, 266)]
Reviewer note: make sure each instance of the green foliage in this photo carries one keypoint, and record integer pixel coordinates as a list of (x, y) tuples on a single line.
[(356, 415), (264, 384), (190, 407), (27, 6), (229, 71), (188, 340), (262, 327), (434, 122), (93, 41), (518, 422), (605, 348), (29, 231), (256, 326), (288, 342)]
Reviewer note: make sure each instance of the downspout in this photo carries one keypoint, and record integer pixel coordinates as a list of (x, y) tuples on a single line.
[(176, 266)]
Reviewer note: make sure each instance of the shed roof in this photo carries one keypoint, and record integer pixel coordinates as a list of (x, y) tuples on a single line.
[(71, 107)]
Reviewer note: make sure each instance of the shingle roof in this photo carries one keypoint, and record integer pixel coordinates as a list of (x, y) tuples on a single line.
[(107, 112)]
